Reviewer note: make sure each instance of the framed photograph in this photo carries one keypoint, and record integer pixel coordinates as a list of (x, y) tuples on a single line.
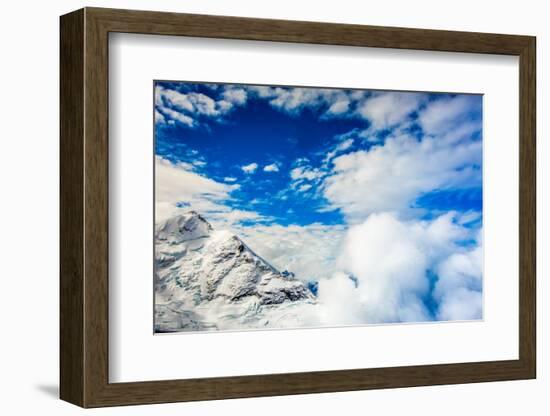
[(255, 207)]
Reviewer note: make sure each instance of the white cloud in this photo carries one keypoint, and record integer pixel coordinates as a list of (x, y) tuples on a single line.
[(250, 168), (305, 173), (339, 148), (304, 178), (458, 290), (236, 96), (187, 107), (388, 109), (175, 98), (230, 179), (178, 182), (294, 99), (271, 168), (390, 260), (159, 118), (338, 302), (345, 145), (191, 102), (392, 176), (339, 107), (230, 217), (439, 115), (469, 217), (382, 109), (461, 305), (199, 163), (261, 91), (177, 116)]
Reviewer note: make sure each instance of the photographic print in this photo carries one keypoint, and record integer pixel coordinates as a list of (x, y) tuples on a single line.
[(283, 207)]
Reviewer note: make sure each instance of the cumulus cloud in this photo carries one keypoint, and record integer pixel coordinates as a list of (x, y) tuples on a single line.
[(250, 168), (191, 102), (380, 109), (391, 261), (388, 109), (188, 107), (338, 303), (235, 95), (177, 116), (390, 177), (458, 290), (271, 168), (292, 100)]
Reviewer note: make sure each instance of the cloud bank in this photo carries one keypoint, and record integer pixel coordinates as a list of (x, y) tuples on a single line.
[(404, 271)]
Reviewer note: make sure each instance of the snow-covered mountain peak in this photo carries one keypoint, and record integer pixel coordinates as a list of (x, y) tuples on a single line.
[(183, 227), (210, 279)]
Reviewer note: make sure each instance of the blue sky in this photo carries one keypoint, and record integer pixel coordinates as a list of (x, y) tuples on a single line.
[(275, 147)]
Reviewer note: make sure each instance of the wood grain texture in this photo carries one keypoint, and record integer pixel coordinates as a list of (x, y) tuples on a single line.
[(71, 100), (527, 208), (96, 208), (84, 207)]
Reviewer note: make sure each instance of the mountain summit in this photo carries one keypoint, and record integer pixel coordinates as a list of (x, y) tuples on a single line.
[(211, 280)]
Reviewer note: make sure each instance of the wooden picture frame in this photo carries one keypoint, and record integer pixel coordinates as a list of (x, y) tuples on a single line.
[(84, 207)]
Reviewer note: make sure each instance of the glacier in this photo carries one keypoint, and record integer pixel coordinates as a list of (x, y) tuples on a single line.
[(208, 280)]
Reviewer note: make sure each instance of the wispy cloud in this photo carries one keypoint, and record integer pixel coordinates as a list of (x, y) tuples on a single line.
[(304, 188), (178, 187), (339, 148), (177, 182), (305, 173)]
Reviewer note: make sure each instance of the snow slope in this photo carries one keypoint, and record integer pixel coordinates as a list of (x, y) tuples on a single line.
[(211, 280)]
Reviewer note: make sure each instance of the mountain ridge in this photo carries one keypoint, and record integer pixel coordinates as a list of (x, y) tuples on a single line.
[(207, 279)]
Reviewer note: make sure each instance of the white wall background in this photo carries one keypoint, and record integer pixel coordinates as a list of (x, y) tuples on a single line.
[(29, 209)]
